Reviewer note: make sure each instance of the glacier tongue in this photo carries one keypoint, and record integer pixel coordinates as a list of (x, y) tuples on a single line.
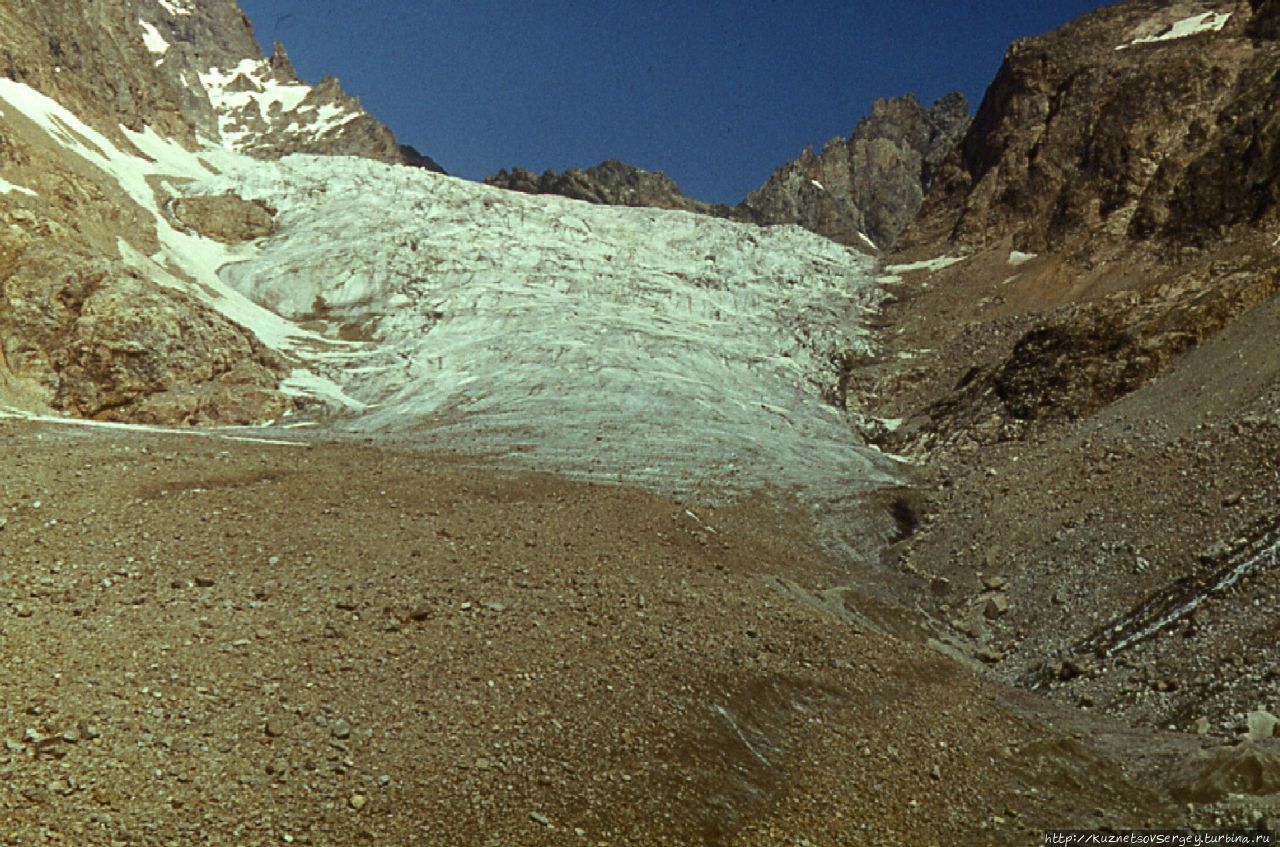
[(659, 348)]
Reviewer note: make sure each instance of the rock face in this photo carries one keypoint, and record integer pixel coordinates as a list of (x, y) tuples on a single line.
[(1141, 121), (872, 183), (868, 186), (1140, 133), (90, 326), (102, 342), (1097, 421)]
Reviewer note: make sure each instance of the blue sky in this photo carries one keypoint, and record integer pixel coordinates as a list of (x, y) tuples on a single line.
[(717, 93)]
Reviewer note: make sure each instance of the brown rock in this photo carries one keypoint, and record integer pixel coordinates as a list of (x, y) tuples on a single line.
[(228, 219)]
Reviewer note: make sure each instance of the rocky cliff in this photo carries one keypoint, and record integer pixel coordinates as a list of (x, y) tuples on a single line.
[(872, 183), (99, 102), (1082, 345), (861, 191), (1142, 121), (1141, 134)]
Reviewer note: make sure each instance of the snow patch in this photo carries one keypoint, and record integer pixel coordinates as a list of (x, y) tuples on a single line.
[(1207, 22), (1017, 259), (249, 102), (927, 265), (7, 187), (817, 185), (153, 40), (176, 7), (225, 433)]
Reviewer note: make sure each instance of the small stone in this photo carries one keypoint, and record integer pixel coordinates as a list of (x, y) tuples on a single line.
[(539, 817), (204, 582), (340, 729), (997, 606), (71, 736), (275, 727), (989, 655), (1202, 725), (995, 583), (1262, 725), (358, 801), (483, 764)]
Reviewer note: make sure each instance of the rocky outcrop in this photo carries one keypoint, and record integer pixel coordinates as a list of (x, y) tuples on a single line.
[(1141, 121), (870, 184), (860, 191), (610, 183), (99, 341), (226, 218), (1139, 148)]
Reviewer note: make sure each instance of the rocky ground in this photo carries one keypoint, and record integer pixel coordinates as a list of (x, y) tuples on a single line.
[(1115, 554), (225, 641)]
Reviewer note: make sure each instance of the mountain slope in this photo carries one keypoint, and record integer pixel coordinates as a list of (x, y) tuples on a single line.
[(1088, 363), (101, 103)]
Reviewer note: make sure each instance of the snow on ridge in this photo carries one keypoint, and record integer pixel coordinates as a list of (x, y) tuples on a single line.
[(936, 264), (1207, 22), (176, 7), (1017, 258), (249, 101), (184, 258), (659, 348)]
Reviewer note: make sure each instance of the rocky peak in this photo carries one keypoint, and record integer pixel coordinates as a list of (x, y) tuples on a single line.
[(871, 184), (859, 191), (185, 69), (611, 183), (1145, 120)]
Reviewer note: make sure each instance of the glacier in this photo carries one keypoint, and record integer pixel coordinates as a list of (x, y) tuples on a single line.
[(659, 348), (664, 349)]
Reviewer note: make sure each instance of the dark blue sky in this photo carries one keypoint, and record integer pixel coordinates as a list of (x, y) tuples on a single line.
[(717, 93)]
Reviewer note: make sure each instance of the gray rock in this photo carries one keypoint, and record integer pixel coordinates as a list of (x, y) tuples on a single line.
[(1262, 725), (997, 606)]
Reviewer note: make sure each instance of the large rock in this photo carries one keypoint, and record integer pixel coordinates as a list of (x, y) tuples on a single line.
[(92, 338), (227, 218), (1249, 768), (872, 183)]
